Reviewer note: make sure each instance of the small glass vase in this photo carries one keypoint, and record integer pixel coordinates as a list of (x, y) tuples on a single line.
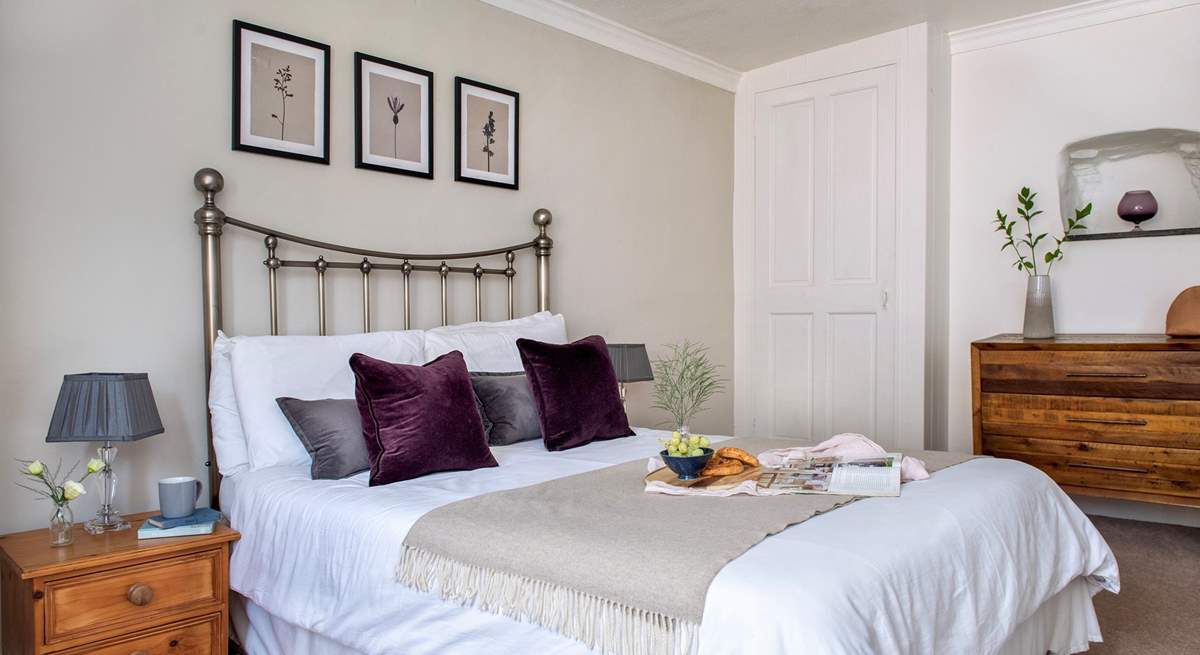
[(684, 429), (62, 526)]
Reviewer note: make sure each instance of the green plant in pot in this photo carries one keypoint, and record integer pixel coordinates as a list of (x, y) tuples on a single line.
[(684, 381), (1039, 305)]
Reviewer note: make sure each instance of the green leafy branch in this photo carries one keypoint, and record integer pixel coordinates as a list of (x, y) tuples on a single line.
[(1006, 226), (1073, 224), (1027, 210)]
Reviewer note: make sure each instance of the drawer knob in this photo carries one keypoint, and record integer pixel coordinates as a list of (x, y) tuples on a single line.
[(140, 594)]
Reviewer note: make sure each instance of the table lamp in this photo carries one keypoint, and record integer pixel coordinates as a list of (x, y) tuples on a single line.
[(630, 363), (105, 407)]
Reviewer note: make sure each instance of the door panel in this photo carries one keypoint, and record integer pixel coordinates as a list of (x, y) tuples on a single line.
[(854, 181), (825, 214), (791, 347), (852, 360), (791, 215)]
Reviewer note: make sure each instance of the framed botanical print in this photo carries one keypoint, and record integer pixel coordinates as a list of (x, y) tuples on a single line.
[(486, 134), (280, 94), (393, 117)]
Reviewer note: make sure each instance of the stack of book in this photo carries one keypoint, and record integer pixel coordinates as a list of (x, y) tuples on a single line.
[(202, 521)]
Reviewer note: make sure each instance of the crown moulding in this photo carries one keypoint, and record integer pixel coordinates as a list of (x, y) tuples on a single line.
[(611, 34), (1055, 21)]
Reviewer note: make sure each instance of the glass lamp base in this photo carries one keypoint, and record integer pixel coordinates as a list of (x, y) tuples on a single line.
[(111, 522), (107, 518)]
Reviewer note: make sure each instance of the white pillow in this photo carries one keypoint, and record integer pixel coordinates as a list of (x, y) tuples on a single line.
[(304, 367), (492, 347), (532, 319), (229, 441)]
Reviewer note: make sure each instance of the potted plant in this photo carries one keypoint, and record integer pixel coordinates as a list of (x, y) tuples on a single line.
[(61, 491), (684, 381), (1039, 306)]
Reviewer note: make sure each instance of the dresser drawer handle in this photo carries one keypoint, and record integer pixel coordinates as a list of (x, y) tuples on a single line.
[(140, 594), (1081, 374), (1107, 467), (1107, 421)]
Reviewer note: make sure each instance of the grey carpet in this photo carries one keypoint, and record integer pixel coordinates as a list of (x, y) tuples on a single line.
[(1158, 609)]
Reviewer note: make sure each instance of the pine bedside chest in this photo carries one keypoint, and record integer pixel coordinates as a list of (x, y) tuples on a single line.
[(112, 594)]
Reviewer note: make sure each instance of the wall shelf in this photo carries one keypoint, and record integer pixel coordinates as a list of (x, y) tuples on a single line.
[(1133, 234)]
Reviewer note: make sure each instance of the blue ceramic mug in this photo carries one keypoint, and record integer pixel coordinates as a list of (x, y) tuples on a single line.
[(177, 496)]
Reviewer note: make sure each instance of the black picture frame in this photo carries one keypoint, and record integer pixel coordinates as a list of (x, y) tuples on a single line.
[(238, 138), (461, 172), (359, 58)]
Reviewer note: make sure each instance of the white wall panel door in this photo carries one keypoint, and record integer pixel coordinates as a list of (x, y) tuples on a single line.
[(825, 216)]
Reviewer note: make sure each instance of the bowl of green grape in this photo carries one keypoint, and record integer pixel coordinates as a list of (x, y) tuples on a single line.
[(686, 455)]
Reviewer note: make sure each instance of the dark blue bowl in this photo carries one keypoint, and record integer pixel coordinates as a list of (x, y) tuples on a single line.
[(687, 468)]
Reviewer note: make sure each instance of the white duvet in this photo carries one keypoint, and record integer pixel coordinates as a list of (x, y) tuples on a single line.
[(954, 565)]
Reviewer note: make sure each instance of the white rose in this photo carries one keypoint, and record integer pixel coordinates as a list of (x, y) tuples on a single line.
[(35, 467), (73, 490), (95, 465)]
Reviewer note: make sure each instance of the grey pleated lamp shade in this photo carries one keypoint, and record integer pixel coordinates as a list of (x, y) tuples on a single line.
[(630, 362), (104, 407)]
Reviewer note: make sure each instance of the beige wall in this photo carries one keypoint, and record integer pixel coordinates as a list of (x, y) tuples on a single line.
[(108, 108)]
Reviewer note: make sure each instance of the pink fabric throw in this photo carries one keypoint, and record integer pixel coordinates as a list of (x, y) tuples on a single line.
[(846, 444)]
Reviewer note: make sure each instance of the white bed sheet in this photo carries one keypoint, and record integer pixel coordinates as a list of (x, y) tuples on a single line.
[(955, 565)]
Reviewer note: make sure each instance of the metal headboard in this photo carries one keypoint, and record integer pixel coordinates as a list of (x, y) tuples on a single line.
[(211, 222)]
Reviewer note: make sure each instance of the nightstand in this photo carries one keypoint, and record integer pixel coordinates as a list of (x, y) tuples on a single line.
[(111, 594)]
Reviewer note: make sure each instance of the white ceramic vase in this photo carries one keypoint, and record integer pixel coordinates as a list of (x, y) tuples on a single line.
[(1039, 308)]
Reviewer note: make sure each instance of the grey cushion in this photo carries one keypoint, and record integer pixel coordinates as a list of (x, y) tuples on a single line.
[(506, 403), (331, 431)]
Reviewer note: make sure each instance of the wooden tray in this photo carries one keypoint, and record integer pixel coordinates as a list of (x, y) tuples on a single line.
[(714, 482)]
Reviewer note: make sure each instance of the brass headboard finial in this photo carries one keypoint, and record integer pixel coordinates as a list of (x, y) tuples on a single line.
[(209, 179), (209, 219)]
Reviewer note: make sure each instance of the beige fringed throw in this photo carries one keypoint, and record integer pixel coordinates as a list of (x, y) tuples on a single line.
[(595, 558)]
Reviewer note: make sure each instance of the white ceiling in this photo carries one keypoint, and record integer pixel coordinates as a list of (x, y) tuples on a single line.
[(746, 34)]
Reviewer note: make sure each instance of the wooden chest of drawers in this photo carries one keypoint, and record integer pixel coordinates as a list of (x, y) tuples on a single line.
[(1103, 415), (112, 594)]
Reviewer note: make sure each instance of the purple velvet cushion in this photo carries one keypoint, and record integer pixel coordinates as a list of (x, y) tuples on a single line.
[(575, 391), (418, 419)]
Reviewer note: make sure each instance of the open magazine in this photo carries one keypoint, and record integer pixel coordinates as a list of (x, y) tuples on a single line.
[(871, 476)]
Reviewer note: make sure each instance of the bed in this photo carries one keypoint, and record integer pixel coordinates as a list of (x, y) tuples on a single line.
[(988, 556)]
